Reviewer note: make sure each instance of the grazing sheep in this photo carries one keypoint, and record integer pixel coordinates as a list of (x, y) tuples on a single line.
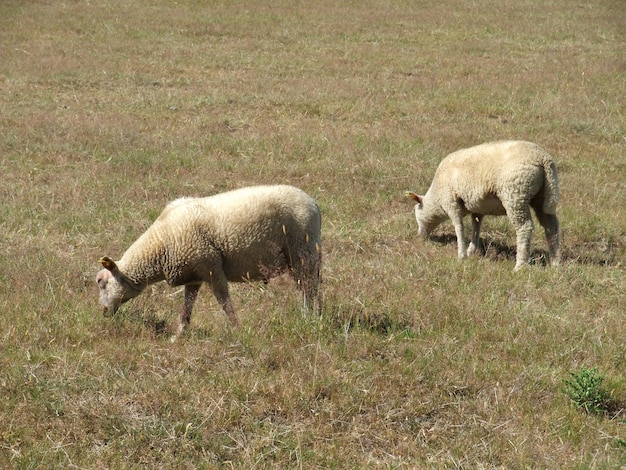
[(252, 233), (498, 178)]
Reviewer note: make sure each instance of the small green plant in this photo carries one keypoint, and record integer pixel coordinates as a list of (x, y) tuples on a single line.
[(585, 390)]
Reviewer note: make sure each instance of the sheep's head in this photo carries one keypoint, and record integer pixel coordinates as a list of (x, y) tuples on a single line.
[(426, 223), (115, 287)]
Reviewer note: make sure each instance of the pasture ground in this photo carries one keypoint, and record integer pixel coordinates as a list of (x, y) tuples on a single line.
[(110, 109)]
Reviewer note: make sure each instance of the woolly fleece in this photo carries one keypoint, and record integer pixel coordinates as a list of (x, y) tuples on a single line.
[(497, 178), (248, 234)]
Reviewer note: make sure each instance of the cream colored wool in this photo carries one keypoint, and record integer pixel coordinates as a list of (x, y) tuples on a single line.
[(244, 235), (497, 178)]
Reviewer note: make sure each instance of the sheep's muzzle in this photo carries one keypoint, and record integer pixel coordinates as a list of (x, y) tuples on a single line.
[(109, 311)]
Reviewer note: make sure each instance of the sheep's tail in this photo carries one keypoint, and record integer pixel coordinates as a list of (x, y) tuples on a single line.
[(551, 186)]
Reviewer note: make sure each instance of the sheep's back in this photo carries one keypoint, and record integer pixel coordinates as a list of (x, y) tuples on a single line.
[(252, 228), (483, 175)]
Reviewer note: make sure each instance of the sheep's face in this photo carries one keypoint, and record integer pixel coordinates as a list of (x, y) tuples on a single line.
[(112, 293), (423, 228), (115, 288), (426, 222), (427, 219)]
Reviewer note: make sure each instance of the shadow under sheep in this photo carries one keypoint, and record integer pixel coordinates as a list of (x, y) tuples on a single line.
[(600, 253)]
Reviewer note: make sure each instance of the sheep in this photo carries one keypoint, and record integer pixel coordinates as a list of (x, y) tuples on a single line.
[(248, 234), (497, 178)]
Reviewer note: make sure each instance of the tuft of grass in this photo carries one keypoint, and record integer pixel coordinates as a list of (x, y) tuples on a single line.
[(586, 390)]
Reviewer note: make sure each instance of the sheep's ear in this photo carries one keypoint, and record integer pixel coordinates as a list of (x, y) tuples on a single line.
[(412, 195), (109, 264)]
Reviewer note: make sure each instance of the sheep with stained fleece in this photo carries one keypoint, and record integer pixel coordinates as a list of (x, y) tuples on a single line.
[(248, 234), (497, 178)]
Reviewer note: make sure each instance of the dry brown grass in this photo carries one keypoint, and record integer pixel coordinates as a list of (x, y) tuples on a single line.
[(111, 109)]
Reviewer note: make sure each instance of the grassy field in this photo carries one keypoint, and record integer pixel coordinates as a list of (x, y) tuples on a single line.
[(110, 109)]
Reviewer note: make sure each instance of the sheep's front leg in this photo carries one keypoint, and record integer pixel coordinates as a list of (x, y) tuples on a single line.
[(191, 293), (219, 285), (457, 220), (475, 241)]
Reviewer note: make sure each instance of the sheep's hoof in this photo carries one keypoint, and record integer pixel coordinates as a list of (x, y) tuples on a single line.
[(474, 250)]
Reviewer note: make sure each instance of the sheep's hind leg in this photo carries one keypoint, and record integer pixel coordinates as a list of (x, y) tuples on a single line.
[(307, 278), (523, 224), (310, 289), (475, 241), (305, 271), (550, 224), (191, 293)]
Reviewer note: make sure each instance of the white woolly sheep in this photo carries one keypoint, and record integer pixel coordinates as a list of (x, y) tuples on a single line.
[(497, 178), (248, 234)]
